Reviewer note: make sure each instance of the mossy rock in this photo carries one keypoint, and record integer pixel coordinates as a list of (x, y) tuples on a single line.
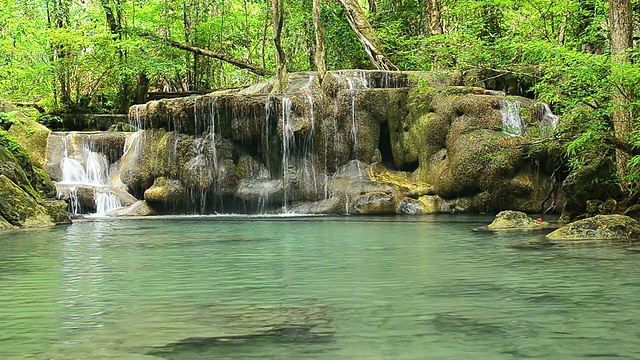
[(376, 203), (19, 208), (33, 137), (10, 168), (166, 191), (5, 225), (600, 227), (515, 220), (57, 210)]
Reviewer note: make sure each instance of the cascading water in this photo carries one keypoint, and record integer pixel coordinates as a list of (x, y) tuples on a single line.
[(549, 121), (84, 168), (287, 144), (512, 122)]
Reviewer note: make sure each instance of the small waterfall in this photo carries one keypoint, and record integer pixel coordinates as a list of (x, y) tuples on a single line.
[(512, 121), (106, 202), (287, 145), (84, 168), (549, 121), (213, 117)]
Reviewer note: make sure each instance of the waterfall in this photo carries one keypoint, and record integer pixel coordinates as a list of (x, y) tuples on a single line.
[(83, 168), (512, 122), (213, 117), (287, 144), (549, 120), (106, 202)]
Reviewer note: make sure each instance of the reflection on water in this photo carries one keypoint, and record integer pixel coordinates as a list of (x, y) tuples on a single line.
[(314, 288)]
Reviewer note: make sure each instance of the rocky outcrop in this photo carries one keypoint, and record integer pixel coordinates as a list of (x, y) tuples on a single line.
[(600, 227), (363, 142), (19, 208), (24, 186), (515, 220)]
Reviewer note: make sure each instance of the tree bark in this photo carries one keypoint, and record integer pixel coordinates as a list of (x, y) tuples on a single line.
[(277, 13), (373, 7), (224, 57), (563, 29), (321, 66), (366, 35), (620, 16), (432, 17)]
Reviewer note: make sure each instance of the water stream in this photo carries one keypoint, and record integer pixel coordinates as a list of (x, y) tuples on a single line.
[(312, 288)]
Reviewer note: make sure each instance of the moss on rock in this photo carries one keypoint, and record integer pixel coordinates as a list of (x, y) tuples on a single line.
[(600, 227), (508, 219), (19, 208)]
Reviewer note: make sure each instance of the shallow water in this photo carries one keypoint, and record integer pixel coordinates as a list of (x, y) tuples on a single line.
[(314, 288)]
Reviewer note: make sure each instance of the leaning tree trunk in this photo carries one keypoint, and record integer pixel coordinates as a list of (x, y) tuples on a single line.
[(621, 40), (321, 66), (366, 35), (277, 12), (220, 56), (432, 17)]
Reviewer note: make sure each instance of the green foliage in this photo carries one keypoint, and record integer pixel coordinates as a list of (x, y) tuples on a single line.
[(10, 142), (8, 119)]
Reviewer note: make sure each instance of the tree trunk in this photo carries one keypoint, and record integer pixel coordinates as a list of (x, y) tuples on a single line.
[(373, 7), (277, 13), (224, 57), (432, 17), (321, 66), (563, 29), (366, 35), (620, 16)]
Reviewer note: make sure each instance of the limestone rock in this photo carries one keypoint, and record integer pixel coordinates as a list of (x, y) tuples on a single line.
[(5, 225), (10, 168), (375, 204), (166, 191), (33, 137), (139, 208), (19, 208), (600, 227), (57, 210), (515, 220)]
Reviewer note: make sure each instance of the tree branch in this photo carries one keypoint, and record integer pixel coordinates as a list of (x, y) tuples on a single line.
[(196, 50), (622, 145)]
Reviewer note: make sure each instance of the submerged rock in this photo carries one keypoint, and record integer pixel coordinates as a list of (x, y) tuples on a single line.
[(515, 220), (599, 227)]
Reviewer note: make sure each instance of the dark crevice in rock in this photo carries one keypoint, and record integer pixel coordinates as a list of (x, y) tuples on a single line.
[(410, 167), (384, 145)]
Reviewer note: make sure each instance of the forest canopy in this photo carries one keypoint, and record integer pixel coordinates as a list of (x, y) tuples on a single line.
[(102, 56)]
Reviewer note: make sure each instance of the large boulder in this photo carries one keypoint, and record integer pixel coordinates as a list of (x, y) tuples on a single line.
[(600, 227), (19, 208), (33, 138)]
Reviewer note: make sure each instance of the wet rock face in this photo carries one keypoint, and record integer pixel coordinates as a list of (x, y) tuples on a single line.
[(262, 151), (600, 227)]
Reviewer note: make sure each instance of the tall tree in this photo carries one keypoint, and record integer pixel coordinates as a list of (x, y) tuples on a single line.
[(432, 17), (58, 18), (317, 25), (367, 36), (620, 17), (277, 13)]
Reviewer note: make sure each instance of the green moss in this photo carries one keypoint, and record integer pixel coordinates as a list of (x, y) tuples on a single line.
[(19, 208)]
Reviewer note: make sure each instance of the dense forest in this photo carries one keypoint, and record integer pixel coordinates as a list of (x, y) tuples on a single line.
[(77, 56)]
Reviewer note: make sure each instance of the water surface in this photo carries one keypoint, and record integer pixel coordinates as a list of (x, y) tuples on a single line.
[(314, 288)]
